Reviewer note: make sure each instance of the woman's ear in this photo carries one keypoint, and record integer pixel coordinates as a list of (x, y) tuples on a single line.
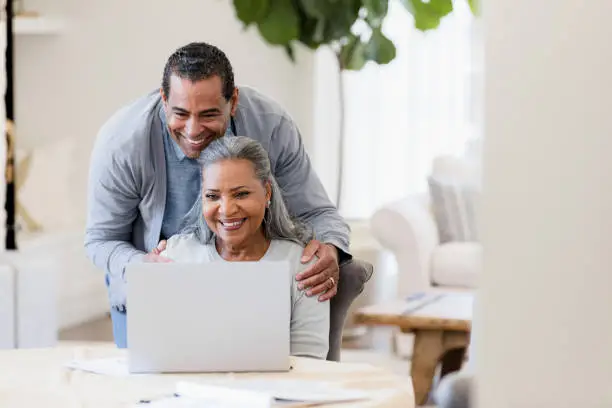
[(268, 191)]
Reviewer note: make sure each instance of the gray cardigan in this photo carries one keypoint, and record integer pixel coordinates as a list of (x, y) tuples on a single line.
[(127, 181)]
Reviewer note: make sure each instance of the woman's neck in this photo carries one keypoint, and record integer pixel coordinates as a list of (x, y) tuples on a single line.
[(252, 250)]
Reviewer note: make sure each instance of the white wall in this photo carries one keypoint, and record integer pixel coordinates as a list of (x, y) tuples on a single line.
[(545, 299), (111, 52)]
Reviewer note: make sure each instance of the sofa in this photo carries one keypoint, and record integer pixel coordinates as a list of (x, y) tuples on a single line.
[(409, 229), (46, 286)]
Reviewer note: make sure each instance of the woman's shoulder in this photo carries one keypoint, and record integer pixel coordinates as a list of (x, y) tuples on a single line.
[(186, 248), (182, 239), (290, 251), (283, 248)]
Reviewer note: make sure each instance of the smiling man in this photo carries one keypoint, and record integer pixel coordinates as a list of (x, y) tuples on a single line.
[(145, 175)]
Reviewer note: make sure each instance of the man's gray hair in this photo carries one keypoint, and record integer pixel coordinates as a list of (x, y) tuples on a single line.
[(277, 223)]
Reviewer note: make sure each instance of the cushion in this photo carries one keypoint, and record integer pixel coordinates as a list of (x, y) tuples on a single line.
[(456, 264), (454, 208)]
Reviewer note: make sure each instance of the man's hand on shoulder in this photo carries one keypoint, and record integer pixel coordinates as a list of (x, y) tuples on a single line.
[(154, 256), (321, 277)]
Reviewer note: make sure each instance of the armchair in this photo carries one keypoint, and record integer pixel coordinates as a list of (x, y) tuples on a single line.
[(408, 229)]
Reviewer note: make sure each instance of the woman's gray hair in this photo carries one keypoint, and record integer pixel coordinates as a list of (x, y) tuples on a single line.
[(277, 223)]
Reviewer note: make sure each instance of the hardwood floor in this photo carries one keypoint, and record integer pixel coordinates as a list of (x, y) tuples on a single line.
[(95, 330)]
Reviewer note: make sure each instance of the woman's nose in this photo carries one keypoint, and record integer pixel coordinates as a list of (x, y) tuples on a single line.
[(228, 206)]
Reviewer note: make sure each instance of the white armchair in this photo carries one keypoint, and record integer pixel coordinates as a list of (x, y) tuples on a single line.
[(408, 229)]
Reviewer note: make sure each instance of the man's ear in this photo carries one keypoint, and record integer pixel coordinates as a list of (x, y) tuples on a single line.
[(234, 101), (163, 95)]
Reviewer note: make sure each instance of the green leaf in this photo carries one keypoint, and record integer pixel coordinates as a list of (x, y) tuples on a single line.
[(352, 55), (251, 11), (427, 15), (379, 48), (474, 6), (316, 9), (340, 22), (376, 11), (281, 24), (290, 52)]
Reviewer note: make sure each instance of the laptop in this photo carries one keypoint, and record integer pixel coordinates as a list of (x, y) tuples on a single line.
[(211, 317)]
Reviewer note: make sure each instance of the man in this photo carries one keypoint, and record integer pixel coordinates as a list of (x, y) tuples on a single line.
[(145, 178)]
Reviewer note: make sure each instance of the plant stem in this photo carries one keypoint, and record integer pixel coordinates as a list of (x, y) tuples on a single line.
[(341, 133)]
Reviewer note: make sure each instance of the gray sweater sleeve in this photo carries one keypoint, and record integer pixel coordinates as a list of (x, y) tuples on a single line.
[(309, 323), (302, 189), (113, 202)]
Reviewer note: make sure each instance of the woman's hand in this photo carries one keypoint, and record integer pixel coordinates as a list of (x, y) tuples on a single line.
[(321, 277)]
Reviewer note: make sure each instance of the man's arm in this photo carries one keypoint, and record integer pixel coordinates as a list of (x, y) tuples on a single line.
[(303, 191), (112, 208)]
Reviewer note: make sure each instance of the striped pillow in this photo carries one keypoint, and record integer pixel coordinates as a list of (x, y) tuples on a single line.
[(454, 208)]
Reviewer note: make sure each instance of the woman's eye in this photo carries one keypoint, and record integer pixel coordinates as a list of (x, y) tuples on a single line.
[(211, 196), (242, 194)]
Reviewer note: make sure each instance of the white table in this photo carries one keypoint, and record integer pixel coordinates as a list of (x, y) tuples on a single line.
[(38, 378)]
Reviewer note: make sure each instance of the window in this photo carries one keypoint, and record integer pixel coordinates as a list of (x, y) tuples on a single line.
[(398, 116)]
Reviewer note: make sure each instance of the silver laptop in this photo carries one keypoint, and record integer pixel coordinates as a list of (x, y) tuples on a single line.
[(213, 317)]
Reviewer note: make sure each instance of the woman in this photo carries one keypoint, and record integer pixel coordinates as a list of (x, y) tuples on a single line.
[(243, 218)]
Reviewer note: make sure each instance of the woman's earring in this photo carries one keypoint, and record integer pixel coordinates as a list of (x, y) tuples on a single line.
[(269, 202)]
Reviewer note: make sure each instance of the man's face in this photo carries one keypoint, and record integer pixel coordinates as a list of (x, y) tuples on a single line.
[(197, 113)]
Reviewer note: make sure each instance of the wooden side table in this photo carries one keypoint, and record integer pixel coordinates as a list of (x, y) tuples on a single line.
[(441, 323)]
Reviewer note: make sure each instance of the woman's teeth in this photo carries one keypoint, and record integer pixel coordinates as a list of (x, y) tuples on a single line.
[(233, 224)]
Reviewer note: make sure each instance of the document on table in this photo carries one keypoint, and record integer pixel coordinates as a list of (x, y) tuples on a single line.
[(223, 392), (256, 394), (297, 390), (111, 366)]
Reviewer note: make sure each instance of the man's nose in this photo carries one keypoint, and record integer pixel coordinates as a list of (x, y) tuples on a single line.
[(192, 127)]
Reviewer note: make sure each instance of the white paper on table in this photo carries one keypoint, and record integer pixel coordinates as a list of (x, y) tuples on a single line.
[(172, 402), (224, 396), (292, 391), (112, 366), (228, 392)]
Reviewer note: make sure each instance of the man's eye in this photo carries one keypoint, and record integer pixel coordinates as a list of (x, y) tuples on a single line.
[(181, 114)]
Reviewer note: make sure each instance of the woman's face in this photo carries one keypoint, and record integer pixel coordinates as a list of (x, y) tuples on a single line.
[(234, 200)]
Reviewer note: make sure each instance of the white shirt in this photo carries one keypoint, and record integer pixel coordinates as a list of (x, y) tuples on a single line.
[(309, 318)]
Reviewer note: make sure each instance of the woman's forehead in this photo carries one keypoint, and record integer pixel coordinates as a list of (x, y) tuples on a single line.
[(228, 172)]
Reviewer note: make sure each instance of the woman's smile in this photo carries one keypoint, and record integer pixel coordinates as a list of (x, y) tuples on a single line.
[(232, 224)]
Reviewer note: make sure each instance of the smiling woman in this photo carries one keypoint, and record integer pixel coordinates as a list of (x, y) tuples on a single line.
[(243, 218)]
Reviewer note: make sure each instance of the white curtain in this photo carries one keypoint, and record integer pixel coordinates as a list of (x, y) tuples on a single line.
[(401, 115)]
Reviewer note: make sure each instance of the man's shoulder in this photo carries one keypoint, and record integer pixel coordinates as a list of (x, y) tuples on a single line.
[(259, 115), (253, 101), (129, 128)]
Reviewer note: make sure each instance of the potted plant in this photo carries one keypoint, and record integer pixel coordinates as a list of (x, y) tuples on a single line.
[(331, 23)]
